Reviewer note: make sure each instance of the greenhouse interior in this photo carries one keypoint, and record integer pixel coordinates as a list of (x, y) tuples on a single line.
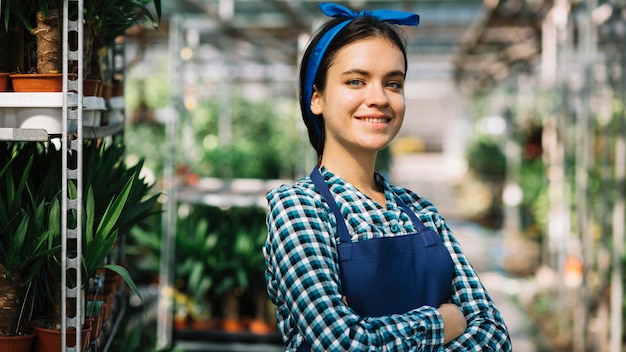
[(515, 129)]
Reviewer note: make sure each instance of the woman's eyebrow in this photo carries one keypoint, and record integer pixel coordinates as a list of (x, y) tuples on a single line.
[(367, 73)]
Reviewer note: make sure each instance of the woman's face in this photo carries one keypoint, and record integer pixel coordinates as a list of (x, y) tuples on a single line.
[(363, 103)]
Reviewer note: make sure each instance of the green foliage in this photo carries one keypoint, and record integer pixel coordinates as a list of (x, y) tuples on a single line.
[(486, 158), (264, 141), (116, 200), (220, 251), (29, 218), (111, 18), (217, 250)]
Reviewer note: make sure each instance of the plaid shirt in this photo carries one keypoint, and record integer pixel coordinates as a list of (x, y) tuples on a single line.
[(302, 274)]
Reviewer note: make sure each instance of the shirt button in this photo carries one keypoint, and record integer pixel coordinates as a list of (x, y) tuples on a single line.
[(395, 228)]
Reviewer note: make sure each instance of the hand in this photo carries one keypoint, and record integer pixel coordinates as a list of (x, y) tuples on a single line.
[(454, 323)]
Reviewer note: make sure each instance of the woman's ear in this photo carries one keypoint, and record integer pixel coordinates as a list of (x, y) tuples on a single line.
[(316, 102)]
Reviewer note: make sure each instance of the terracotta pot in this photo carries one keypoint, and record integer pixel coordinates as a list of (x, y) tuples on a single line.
[(92, 87), (48, 340), (107, 91), (261, 327), (232, 326), (4, 81), (107, 298), (37, 82), (205, 325), (96, 325), (19, 343)]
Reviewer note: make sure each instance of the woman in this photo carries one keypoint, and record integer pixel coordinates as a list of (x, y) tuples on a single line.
[(352, 262)]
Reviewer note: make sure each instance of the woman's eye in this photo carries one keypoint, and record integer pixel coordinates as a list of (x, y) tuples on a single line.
[(394, 85), (355, 82)]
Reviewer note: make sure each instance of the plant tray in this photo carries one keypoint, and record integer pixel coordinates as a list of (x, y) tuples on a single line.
[(224, 336)]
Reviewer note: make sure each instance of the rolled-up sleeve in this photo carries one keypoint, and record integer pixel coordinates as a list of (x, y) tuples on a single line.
[(486, 330)]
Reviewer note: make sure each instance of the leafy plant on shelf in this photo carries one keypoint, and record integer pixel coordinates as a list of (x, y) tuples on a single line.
[(106, 20), (196, 246), (27, 229), (221, 256), (124, 200), (110, 208), (106, 170)]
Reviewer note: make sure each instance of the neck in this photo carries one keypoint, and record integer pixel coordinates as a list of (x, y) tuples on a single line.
[(358, 171)]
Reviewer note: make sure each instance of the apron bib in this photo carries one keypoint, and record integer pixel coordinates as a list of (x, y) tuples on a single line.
[(390, 275)]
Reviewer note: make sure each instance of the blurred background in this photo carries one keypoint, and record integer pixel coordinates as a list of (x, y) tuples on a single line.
[(514, 130)]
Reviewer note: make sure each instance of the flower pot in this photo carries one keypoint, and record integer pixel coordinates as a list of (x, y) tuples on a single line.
[(96, 325), (4, 81), (107, 299), (18, 343), (232, 326), (37, 82), (92, 88), (205, 325), (260, 327), (49, 340)]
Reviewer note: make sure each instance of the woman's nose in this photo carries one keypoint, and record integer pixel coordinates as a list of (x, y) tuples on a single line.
[(377, 95)]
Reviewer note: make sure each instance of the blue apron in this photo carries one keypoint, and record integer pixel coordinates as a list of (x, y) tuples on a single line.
[(390, 275)]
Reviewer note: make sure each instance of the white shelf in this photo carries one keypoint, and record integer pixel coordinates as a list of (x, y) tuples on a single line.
[(36, 100), (23, 134), (227, 193), (37, 116)]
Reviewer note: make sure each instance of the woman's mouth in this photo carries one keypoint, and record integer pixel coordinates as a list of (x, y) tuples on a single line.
[(375, 119)]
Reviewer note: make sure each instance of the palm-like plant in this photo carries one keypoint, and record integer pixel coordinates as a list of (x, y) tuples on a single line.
[(29, 223), (104, 20)]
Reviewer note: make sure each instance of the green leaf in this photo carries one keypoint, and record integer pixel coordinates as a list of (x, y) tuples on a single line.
[(126, 276), (113, 211)]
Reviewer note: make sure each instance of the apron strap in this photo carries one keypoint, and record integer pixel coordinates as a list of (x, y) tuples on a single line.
[(419, 225), (344, 234), (318, 180)]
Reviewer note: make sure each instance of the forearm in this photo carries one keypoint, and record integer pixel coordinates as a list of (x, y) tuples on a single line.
[(486, 329)]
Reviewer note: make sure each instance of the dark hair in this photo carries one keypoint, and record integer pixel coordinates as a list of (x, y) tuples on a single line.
[(359, 28)]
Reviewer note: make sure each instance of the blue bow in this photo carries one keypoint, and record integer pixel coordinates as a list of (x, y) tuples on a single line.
[(339, 11), (391, 16)]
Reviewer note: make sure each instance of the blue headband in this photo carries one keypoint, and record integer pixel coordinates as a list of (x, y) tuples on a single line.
[(338, 11)]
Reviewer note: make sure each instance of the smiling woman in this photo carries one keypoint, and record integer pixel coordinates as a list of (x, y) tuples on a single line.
[(371, 110), (353, 262)]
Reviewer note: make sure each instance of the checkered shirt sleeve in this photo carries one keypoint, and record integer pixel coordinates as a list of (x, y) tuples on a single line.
[(302, 277)]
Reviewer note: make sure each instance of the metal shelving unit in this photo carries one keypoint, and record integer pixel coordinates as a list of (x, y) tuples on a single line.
[(66, 123), (70, 263), (209, 191)]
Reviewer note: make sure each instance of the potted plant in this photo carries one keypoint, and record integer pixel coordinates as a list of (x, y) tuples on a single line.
[(105, 21), (43, 19), (27, 225), (101, 224)]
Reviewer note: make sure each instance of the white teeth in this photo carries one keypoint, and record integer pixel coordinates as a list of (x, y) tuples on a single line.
[(375, 120)]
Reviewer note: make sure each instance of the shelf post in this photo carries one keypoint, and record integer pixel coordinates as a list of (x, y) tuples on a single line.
[(72, 151)]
